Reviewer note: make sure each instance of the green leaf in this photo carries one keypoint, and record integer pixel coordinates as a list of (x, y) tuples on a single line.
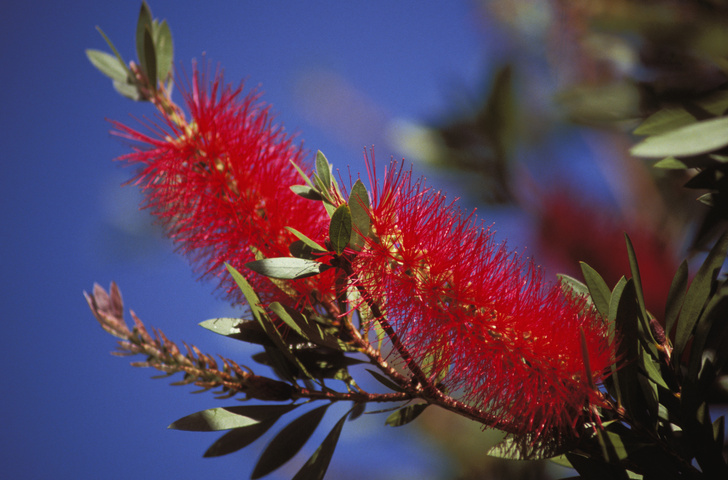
[(108, 65), (238, 438), (594, 468), (323, 170), (128, 90), (309, 330), (287, 268), (361, 222), (116, 52), (144, 25), (697, 294), (315, 246), (675, 297), (340, 228), (288, 442), (671, 163), (598, 289), (700, 137), (646, 336), (316, 466), (518, 448), (385, 381), (164, 50), (302, 173), (226, 418), (149, 61), (405, 415), (671, 118), (223, 326), (306, 192), (572, 286)]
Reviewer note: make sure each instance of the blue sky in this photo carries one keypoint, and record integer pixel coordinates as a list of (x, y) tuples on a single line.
[(72, 410)]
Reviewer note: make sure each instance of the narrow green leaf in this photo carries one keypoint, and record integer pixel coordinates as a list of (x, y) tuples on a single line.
[(306, 240), (385, 381), (164, 50), (598, 289), (316, 466), (405, 415), (144, 24), (323, 170), (250, 296), (302, 173), (697, 294), (287, 268), (361, 222), (701, 137), (116, 52), (646, 336), (238, 438), (149, 61), (675, 297), (107, 64), (288, 442), (340, 228), (226, 418), (572, 286), (309, 193)]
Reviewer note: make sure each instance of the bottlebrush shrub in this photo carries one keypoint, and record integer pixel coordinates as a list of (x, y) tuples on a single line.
[(398, 280), (219, 182), (479, 318)]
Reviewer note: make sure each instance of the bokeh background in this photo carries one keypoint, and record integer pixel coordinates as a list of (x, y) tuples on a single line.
[(346, 77)]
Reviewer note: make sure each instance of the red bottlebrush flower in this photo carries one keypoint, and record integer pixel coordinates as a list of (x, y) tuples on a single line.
[(477, 317), (220, 182)]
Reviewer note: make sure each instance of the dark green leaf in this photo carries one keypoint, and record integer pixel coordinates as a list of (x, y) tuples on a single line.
[(598, 289), (701, 137), (675, 297), (227, 418), (144, 24), (307, 329), (149, 61), (648, 339), (596, 469), (385, 381), (697, 294), (323, 170), (359, 205), (238, 438), (300, 249), (287, 268), (288, 441), (164, 50), (340, 228), (262, 317), (316, 466), (306, 240), (306, 192), (405, 415), (108, 65), (518, 448)]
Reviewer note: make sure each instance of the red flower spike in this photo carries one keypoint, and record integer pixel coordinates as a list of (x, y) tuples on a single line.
[(219, 183), (477, 316)]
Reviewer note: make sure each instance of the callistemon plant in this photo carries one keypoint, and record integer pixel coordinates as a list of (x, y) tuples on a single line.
[(398, 279)]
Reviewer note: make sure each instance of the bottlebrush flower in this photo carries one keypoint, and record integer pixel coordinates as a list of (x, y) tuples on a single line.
[(220, 182), (477, 317)]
